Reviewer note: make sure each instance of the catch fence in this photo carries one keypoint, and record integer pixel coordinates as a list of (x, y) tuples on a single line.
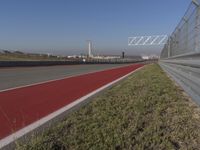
[(180, 56)]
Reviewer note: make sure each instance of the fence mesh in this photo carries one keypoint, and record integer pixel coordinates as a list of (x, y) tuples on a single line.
[(185, 40)]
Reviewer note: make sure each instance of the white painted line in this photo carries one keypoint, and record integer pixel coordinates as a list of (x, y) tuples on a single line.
[(11, 138), (38, 83)]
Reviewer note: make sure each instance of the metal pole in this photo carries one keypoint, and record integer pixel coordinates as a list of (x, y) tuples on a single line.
[(169, 47), (187, 34), (196, 43), (197, 29)]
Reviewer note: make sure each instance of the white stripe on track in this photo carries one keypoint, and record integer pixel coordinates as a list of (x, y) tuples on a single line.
[(20, 133)]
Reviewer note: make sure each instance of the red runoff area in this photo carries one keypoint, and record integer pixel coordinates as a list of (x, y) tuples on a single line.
[(23, 106)]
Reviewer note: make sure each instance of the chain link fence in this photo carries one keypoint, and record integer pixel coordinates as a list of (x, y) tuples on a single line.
[(180, 57), (185, 40)]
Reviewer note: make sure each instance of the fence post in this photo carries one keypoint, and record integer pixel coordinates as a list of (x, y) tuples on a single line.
[(198, 29), (196, 42), (168, 46), (187, 34)]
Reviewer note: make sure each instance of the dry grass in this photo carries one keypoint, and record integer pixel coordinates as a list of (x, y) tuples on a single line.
[(146, 111)]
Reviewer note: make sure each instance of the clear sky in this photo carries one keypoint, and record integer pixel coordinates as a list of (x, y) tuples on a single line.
[(63, 26)]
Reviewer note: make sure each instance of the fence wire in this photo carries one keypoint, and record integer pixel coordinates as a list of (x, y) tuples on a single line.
[(185, 40)]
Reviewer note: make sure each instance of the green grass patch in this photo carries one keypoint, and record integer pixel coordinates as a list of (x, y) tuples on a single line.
[(145, 111)]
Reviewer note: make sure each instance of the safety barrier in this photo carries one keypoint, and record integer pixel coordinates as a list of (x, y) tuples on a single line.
[(51, 63), (186, 72), (180, 57)]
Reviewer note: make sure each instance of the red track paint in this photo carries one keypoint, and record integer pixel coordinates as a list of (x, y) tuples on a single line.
[(23, 106)]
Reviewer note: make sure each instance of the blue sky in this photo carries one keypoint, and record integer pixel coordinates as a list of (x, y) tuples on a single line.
[(63, 26)]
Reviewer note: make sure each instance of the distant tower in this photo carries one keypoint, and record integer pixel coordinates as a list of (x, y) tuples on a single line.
[(90, 49), (123, 55)]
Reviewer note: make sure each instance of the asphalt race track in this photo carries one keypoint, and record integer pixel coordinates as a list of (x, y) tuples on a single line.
[(23, 106), (14, 77)]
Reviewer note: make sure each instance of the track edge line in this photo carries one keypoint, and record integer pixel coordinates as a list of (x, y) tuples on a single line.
[(33, 126)]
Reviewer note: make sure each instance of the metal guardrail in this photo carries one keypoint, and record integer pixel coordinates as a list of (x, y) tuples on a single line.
[(180, 57), (186, 73)]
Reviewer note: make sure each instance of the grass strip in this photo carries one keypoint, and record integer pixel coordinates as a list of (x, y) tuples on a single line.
[(27, 57), (145, 111)]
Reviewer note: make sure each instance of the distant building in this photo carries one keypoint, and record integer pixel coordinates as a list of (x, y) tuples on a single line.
[(145, 57), (150, 57)]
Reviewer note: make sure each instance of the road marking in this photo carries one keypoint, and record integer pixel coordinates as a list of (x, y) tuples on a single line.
[(20, 133)]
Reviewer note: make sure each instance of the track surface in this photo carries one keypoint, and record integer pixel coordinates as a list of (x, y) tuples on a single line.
[(23, 106), (14, 77)]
